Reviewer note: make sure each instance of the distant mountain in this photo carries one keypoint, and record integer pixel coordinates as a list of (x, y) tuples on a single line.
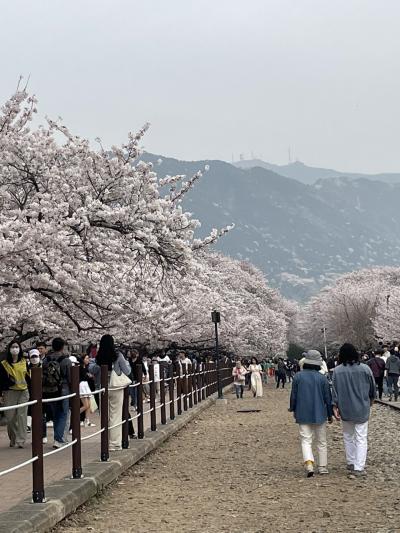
[(301, 172), (302, 236)]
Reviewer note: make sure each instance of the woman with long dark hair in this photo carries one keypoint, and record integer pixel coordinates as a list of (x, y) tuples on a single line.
[(353, 388), (108, 355), (14, 387), (255, 380)]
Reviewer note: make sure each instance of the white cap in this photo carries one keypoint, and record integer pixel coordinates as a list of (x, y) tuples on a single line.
[(34, 353)]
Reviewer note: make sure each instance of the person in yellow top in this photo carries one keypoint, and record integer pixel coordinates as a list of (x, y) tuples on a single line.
[(14, 388)]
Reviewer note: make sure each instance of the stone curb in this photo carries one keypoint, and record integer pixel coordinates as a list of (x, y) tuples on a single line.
[(65, 496)]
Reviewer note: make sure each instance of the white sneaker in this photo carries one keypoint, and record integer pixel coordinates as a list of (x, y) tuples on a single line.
[(44, 440), (57, 444), (49, 424), (82, 424), (89, 424)]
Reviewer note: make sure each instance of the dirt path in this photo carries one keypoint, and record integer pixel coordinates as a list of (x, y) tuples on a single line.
[(242, 472)]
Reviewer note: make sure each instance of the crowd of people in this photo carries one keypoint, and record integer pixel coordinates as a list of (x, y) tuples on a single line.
[(56, 362), (251, 374), (340, 387)]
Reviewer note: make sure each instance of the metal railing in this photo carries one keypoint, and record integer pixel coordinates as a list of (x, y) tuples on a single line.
[(184, 386)]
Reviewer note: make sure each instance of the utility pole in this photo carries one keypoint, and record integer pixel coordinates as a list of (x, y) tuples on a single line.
[(216, 318)]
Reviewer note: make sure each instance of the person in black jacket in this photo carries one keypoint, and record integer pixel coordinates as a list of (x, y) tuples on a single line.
[(134, 360)]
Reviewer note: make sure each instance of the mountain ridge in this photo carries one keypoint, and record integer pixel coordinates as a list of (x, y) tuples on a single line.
[(309, 174), (302, 236)]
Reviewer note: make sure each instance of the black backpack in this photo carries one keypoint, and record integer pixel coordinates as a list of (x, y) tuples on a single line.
[(52, 378)]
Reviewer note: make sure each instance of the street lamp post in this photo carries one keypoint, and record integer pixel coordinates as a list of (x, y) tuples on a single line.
[(216, 318), (325, 348)]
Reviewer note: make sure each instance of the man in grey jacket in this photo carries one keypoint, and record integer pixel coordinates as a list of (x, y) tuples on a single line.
[(353, 393), (393, 373)]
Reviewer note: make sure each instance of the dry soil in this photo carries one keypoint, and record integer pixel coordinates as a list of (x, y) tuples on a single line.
[(242, 472)]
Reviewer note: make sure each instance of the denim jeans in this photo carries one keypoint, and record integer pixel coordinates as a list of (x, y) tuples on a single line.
[(133, 394), (385, 386), (393, 387), (239, 388), (59, 411)]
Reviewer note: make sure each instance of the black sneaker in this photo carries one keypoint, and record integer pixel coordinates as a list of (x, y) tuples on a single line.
[(357, 474)]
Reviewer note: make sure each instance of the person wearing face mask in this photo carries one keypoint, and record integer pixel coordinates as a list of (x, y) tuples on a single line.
[(35, 361), (14, 376)]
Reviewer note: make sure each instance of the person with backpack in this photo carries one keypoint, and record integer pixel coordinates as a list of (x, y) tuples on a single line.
[(56, 382), (14, 376)]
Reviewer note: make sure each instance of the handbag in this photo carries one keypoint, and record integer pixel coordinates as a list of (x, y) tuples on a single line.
[(93, 404), (118, 381)]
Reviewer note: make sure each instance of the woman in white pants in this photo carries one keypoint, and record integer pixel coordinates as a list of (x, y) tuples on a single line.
[(107, 355), (354, 392), (311, 403)]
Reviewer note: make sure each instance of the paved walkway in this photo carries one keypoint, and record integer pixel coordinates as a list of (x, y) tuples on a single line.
[(235, 472), (57, 466)]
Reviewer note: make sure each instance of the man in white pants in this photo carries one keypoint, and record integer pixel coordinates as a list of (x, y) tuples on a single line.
[(353, 394)]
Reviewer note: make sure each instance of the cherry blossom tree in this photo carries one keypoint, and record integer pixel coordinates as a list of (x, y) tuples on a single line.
[(87, 237), (254, 317), (354, 309)]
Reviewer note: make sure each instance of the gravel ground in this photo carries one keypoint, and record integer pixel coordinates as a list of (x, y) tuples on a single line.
[(242, 472)]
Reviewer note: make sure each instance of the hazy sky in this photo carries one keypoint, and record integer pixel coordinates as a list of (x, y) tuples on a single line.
[(217, 77)]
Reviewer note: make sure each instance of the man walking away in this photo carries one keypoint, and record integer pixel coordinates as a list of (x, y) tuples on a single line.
[(377, 366), (311, 403), (280, 373), (56, 382), (353, 394), (393, 373)]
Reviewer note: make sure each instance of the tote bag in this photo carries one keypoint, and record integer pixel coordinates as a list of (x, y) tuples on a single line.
[(118, 381)]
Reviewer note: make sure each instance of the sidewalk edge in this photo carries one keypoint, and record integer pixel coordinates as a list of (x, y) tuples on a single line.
[(65, 496)]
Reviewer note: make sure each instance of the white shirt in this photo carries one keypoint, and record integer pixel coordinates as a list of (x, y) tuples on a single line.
[(385, 356), (165, 359)]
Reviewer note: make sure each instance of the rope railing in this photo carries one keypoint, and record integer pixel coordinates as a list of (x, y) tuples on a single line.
[(17, 406), (58, 398), (87, 437), (176, 389), (17, 467), (61, 449)]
